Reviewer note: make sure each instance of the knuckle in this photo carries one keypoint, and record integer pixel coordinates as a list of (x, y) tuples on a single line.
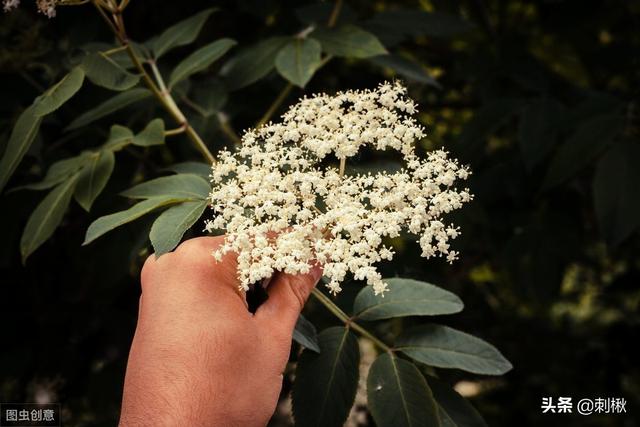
[(298, 292), (148, 268)]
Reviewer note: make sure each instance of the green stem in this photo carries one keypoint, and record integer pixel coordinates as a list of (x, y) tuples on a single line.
[(226, 128), (114, 50), (175, 131), (275, 105), (159, 90), (333, 308)]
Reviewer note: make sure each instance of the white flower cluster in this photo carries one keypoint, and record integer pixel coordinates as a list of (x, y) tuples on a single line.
[(285, 204), (46, 7)]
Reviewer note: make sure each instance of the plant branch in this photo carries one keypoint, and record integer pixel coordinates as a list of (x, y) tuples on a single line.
[(114, 50), (158, 88), (227, 129), (333, 308), (335, 12), (275, 105)]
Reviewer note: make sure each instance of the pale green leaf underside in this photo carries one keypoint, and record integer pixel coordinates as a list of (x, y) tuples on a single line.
[(46, 217), (58, 172), (349, 41), (22, 136), (111, 105), (298, 60), (94, 177), (187, 186), (152, 134), (107, 223), (105, 72), (180, 34), (59, 93), (406, 297), (170, 226), (200, 60), (445, 347)]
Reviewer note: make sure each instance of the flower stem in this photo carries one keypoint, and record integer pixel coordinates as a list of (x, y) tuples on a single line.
[(275, 105), (226, 128), (349, 323)]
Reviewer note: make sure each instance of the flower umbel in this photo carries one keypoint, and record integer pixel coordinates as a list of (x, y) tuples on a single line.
[(46, 7), (284, 204)]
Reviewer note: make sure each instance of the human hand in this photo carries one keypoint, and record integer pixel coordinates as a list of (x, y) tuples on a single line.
[(199, 357)]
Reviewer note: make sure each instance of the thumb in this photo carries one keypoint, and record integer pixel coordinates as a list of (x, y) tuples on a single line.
[(287, 295)]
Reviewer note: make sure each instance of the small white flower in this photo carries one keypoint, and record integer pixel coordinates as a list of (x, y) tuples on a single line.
[(284, 204), (9, 5), (47, 7)]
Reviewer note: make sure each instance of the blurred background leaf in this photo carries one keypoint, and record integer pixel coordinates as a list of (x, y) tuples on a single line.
[(539, 98)]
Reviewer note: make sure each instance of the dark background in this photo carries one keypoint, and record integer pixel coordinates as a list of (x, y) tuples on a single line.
[(539, 98)]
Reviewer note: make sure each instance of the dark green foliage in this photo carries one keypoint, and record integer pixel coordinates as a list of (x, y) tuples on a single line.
[(399, 396), (326, 382), (539, 98)]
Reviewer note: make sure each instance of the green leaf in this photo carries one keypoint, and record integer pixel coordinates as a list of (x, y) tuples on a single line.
[(186, 186), (22, 136), (326, 382), (306, 335), (252, 64), (58, 172), (406, 297), (180, 34), (406, 68), (59, 93), (196, 168), (445, 347), (537, 133), (200, 60), (46, 217), (349, 41), (119, 137), (445, 419), (152, 134), (298, 60), (398, 395), (616, 193), (107, 223), (582, 147), (168, 229), (457, 409), (105, 72), (119, 56), (94, 177), (111, 105)]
